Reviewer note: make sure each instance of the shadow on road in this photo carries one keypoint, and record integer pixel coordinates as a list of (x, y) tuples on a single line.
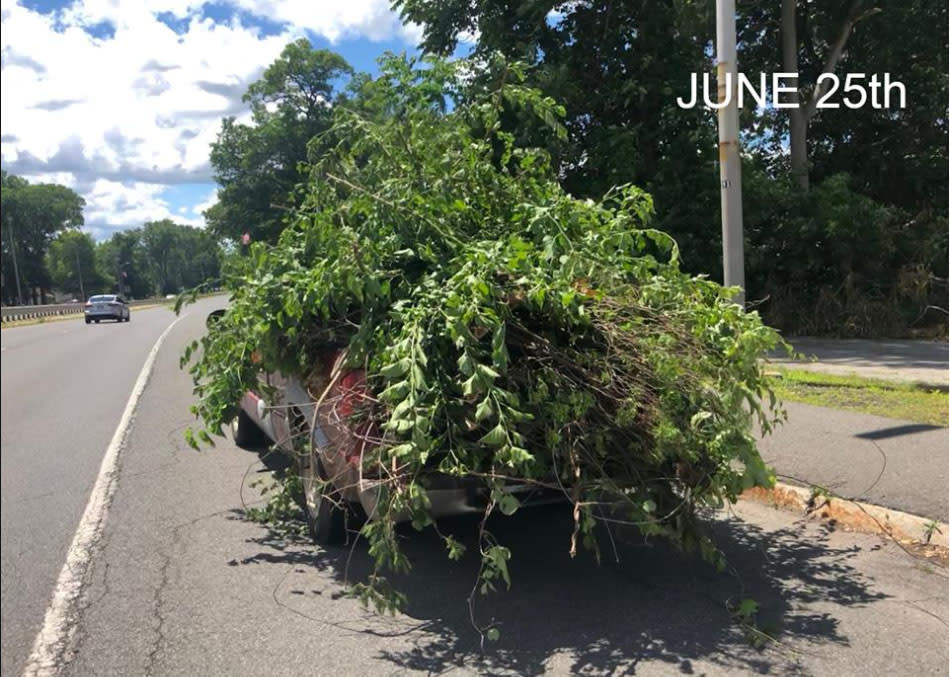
[(655, 604), (897, 431)]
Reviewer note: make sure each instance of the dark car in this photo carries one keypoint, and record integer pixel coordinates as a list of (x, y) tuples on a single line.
[(107, 307)]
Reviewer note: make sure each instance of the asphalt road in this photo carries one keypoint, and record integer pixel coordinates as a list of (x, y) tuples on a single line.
[(884, 461), (183, 584), (64, 387)]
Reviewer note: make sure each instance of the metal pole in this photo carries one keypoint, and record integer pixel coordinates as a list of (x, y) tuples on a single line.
[(730, 172), (82, 289), (16, 269)]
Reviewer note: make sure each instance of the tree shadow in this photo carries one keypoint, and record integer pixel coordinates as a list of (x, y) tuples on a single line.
[(646, 602)]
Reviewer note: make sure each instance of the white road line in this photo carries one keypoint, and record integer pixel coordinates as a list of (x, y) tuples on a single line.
[(59, 626)]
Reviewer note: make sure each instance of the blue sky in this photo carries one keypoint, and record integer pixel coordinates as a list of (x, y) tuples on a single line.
[(120, 99)]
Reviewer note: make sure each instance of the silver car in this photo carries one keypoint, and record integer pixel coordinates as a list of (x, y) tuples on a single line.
[(107, 307)]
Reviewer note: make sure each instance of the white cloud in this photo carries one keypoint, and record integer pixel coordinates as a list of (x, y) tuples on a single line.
[(207, 203), (112, 206), (138, 108), (335, 20)]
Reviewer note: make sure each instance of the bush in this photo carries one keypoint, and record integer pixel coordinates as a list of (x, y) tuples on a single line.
[(836, 262), (509, 332)]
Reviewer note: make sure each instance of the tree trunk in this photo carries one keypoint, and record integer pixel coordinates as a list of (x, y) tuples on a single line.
[(802, 113), (798, 122)]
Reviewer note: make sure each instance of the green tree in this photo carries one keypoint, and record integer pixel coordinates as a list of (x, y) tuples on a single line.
[(72, 264), (32, 215), (179, 256), (866, 249), (201, 260), (257, 165), (617, 68), (123, 261)]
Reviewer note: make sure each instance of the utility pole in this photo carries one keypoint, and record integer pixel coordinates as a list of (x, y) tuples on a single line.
[(16, 269), (82, 289), (730, 172)]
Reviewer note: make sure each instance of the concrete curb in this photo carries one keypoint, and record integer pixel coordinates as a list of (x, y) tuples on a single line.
[(903, 527)]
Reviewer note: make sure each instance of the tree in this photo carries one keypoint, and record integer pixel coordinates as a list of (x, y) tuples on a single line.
[(122, 259), (863, 269), (72, 264), (617, 67), (179, 256), (201, 260), (32, 214), (257, 165)]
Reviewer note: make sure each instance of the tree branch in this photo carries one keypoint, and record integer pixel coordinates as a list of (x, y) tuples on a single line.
[(837, 50)]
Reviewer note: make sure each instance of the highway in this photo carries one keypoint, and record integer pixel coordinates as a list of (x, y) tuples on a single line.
[(64, 387), (180, 583)]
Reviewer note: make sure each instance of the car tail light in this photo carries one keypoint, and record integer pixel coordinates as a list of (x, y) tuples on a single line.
[(353, 395)]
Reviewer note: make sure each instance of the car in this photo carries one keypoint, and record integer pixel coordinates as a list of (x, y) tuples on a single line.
[(327, 441), (107, 307)]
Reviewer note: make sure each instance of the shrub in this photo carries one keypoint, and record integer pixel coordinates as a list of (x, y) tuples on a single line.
[(509, 333)]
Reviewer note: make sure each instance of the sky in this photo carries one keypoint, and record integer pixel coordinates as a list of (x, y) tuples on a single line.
[(121, 99)]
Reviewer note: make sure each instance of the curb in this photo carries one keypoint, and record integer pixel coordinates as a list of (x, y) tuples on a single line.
[(903, 527)]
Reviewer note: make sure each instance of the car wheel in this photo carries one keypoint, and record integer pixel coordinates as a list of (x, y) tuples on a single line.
[(97, 321), (326, 514), (246, 433), (88, 321)]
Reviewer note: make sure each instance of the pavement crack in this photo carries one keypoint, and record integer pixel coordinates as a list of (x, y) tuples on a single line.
[(158, 598), (158, 601)]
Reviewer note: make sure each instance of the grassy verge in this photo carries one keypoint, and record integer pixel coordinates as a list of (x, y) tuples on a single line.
[(869, 396)]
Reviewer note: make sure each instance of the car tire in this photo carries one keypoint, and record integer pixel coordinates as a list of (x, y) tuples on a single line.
[(246, 433), (88, 321), (326, 513), (96, 321)]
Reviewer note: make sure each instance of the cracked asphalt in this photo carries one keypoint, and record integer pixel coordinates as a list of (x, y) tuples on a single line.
[(182, 584)]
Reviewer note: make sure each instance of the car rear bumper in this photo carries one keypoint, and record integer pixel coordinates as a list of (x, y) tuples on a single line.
[(450, 496)]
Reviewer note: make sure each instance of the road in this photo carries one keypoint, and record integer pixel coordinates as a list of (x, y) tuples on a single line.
[(182, 584), (64, 387)]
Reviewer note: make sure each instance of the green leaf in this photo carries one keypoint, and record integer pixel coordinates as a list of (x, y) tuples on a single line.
[(508, 504), (495, 437), (484, 410), (466, 365), (486, 372), (396, 369)]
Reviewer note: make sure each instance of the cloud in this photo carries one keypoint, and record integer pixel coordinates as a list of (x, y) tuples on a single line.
[(112, 206), (335, 20), (56, 104), (13, 58), (116, 96)]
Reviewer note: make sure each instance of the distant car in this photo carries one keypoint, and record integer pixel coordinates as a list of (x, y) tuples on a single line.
[(107, 307)]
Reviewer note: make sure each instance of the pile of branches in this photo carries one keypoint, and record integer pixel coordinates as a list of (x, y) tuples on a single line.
[(509, 333)]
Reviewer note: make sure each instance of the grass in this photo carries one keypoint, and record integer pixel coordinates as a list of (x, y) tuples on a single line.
[(903, 401)]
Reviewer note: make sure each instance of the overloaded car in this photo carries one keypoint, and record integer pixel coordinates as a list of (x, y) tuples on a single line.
[(314, 423), (107, 307)]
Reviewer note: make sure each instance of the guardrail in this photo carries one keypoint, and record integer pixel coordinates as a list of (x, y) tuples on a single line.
[(15, 313)]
